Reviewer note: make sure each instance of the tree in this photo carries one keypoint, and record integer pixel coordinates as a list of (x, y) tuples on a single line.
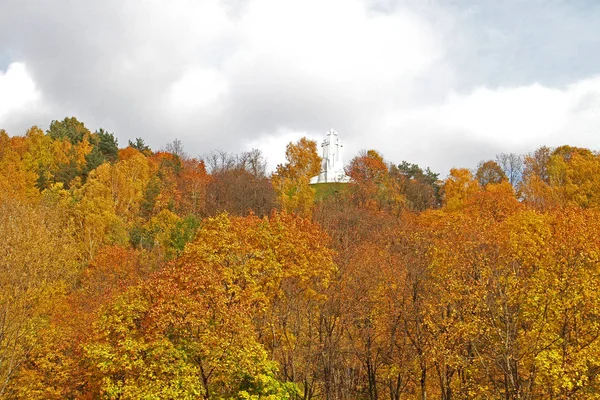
[(536, 164), (106, 145), (239, 192), (575, 176), (140, 146), (5, 142), (489, 172), (46, 157), (420, 187), (56, 367), (197, 313), (70, 129), (251, 161), (512, 165), (535, 186), (292, 180), (16, 181), (33, 277), (192, 185), (254, 162), (219, 161), (458, 188), (238, 184), (109, 201), (371, 184), (176, 148), (368, 167)]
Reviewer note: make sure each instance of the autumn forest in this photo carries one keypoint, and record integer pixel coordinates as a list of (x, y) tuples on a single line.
[(133, 273)]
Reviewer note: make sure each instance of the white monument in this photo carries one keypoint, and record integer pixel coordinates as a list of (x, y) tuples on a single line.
[(332, 167)]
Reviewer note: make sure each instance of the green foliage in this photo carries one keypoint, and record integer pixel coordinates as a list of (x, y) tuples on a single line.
[(69, 128), (325, 190), (150, 195), (183, 232), (421, 187), (104, 148), (413, 171), (107, 145), (65, 174), (141, 238), (140, 146)]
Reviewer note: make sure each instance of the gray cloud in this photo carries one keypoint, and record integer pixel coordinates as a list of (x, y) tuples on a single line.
[(237, 73)]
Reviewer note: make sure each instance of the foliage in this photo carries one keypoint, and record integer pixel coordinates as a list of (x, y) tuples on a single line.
[(121, 277), (489, 172), (69, 128), (33, 276), (372, 184), (292, 180), (141, 146)]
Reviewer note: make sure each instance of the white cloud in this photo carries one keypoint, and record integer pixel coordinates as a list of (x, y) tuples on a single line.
[(273, 145), (338, 44), (196, 89), (517, 119), (18, 93), (415, 82)]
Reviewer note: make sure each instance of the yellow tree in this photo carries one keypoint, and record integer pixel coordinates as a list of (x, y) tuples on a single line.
[(110, 201), (562, 304), (55, 369), (204, 312), (292, 180), (33, 277), (56, 159), (575, 176), (44, 156), (566, 176), (17, 182), (458, 188), (282, 263), (460, 250)]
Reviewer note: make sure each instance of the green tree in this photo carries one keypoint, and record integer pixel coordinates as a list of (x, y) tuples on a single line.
[(69, 128), (104, 148), (140, 146)]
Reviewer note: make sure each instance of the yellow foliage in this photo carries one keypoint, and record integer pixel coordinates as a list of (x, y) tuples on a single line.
[(458, 188), (38, 265), (292, 180), (16, 181)]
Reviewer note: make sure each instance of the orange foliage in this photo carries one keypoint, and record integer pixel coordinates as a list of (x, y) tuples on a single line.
[(127, 153), (493, 295)]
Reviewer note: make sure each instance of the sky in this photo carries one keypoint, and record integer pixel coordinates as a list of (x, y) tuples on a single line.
[(440, 83)]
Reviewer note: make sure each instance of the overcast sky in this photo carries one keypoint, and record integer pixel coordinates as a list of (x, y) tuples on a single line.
[(440, 83)]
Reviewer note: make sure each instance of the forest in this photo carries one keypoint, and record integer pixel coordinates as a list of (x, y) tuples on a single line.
[(129, 273)]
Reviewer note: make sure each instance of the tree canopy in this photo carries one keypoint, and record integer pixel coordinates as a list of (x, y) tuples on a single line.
[(127, 273)]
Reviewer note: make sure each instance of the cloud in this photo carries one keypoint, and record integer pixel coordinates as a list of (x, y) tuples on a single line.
[(518, 119), (437, 83), (273, 145), (266, 64), (19, 97), (196, 89)]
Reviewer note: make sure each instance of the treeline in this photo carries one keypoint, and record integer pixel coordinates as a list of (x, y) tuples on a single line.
[(127, 273)]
